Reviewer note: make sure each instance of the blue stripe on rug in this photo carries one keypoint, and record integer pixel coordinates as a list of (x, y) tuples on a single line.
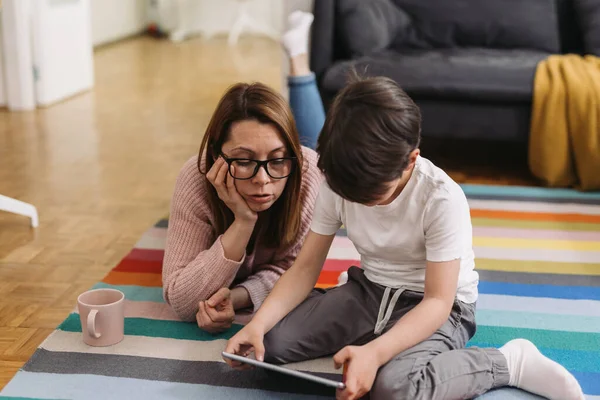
[(576, 361), (589, 381), (551, 291), (528, 192), (573, 360), (91, 387)]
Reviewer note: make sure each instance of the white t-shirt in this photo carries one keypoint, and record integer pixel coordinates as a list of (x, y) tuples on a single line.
[(429, 220)]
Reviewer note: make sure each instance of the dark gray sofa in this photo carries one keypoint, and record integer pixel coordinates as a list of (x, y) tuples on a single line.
[(469, 64)]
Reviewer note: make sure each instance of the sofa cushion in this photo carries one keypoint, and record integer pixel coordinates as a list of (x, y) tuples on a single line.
[(530, 24), (470, 74), (502, 121), (588, 13), (370, 26)]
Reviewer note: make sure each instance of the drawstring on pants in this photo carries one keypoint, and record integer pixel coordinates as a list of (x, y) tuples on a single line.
[(384, 316)]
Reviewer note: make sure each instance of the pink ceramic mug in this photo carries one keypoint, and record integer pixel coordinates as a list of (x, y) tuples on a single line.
[(102, 316)]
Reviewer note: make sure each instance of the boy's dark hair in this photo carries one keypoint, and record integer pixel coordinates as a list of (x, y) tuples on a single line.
[(371, 128)]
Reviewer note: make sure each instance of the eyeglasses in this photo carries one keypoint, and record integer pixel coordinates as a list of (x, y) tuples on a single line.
[(245, 168)]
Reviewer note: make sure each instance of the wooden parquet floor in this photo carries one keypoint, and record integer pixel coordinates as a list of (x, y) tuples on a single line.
[(101, 166)]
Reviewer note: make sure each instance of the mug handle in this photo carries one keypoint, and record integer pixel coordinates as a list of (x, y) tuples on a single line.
[(91, 324)]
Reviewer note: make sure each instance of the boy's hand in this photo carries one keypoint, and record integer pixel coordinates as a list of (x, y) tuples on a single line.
[(362, 367), (216, 314), (246, 341)]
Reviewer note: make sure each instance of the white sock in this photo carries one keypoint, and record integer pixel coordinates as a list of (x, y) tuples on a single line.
[(343, 278), (530, 370), (295, 40)]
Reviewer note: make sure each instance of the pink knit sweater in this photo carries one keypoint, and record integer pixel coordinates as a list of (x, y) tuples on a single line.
[(195, 266)]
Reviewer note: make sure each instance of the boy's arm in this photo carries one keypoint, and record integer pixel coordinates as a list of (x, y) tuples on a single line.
[(448, 229), (441, 279), (296, 283)]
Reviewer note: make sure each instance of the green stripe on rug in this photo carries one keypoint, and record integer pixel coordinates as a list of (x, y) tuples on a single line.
[(530, 320), (134, 292), (499, 335), (473, 189), (496, 335), (157, 328), (558, 225), (580, 361), (23, 398)]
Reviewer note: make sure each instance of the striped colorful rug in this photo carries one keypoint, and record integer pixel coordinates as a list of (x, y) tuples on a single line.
[(538, 253)]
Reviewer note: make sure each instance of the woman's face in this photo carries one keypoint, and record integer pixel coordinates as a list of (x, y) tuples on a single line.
[(251, 139)]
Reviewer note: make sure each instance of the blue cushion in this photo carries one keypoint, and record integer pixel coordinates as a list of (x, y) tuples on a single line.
[(509, 393)]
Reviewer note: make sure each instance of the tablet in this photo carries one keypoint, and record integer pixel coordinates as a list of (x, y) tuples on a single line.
[(283, 370)]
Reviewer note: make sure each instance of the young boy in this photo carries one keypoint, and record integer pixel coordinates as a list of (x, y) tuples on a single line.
[(401, 322)]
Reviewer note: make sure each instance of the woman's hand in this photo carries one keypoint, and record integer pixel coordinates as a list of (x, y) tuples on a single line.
[(246, 341), (224, 184), (216, 314)]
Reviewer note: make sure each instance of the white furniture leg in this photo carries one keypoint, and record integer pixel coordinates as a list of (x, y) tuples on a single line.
[(19, 207), (244, 21), (183, 16), (189, 19)]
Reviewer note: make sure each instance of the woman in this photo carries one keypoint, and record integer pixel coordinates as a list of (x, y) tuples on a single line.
[(241, 208)]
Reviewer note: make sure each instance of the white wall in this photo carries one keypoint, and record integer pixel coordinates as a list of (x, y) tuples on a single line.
[(116, 19)]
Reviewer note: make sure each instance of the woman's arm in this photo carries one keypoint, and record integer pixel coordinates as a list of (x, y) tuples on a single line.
[(196, 263)]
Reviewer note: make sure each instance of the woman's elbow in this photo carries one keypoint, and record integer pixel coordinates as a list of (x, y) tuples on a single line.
[(184, 303), (184, 311)]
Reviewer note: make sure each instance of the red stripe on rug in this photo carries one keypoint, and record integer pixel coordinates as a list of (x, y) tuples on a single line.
[(146, 254), (328, 278), (139, 266)]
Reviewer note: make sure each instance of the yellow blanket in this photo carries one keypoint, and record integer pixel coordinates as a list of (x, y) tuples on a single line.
[(564, 145)]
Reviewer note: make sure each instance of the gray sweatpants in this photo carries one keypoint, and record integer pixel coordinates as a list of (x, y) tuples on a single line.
[(437, 368)]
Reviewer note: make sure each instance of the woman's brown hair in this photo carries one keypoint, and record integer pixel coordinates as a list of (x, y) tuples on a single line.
[(258, 102)]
